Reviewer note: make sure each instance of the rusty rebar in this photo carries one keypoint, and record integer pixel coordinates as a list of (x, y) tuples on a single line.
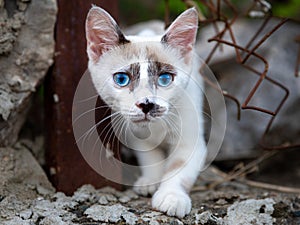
[(297, 67), (167, 14), (243, 53), (264, 39)]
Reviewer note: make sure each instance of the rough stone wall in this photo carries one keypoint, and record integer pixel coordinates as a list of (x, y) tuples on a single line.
[(26, 53)]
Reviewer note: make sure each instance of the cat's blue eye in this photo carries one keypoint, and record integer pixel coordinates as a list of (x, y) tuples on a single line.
[(165, 79), (121, 79)]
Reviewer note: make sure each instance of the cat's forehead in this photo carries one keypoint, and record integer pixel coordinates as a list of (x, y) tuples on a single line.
[(150, 49), (140, 39), (140, 51)]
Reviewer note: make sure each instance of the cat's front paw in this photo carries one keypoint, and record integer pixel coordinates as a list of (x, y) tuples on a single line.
[(173, 202), (145, 186)]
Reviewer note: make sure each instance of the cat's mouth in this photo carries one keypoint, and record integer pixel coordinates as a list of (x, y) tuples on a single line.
[(143, 118), (146, 118)]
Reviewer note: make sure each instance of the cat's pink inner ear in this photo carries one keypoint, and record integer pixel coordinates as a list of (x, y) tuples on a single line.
[(102, 33), (182, 32)]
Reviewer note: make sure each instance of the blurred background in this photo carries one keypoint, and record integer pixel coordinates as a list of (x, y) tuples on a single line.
[(133, 11)]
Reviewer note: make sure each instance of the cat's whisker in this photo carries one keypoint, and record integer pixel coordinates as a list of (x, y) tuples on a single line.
[(89, 133), (88, 111), (117, 124), (207, 115), (93, 127), (102, 150), (173, 133), (94, 149), (204, 113), (174, 128), (175, 116), (114, 124), (116, 128), (125, 127), (176, 132), (175, 124), (87, 99), (104, 141), (120, 128), (177, 107), (109, 125)]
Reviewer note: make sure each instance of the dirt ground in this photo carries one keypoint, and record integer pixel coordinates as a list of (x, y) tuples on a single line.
[(26, 198)]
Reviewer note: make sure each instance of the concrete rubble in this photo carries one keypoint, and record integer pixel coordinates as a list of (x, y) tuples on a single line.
[(26, 198), (85, 208)]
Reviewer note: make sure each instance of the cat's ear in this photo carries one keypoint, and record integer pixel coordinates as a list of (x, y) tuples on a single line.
[(181, 34), (102, 33)]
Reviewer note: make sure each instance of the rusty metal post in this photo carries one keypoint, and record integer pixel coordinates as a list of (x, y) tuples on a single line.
[(65, 165)]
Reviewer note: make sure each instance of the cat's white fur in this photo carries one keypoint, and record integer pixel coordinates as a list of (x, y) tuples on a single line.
[(178, 132)]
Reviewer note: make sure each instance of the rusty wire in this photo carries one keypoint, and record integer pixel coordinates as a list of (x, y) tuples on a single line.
[(243, 53), (297, 68), (167, 14)]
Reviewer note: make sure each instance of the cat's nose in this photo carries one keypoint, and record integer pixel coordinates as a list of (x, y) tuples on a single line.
[(146, 107)]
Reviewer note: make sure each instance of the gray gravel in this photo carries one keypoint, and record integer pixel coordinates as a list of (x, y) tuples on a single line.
[(27, 197), (225, 206)]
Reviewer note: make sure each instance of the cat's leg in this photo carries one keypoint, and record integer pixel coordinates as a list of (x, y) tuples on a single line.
[(181, 172), (151, 165)]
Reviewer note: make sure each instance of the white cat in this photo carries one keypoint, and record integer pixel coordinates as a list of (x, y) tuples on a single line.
[(153, 86)]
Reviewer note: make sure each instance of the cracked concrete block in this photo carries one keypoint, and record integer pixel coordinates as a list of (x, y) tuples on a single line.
[(26, 52), (21, 175), (251, 211), (207, 218), (114, 214)]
